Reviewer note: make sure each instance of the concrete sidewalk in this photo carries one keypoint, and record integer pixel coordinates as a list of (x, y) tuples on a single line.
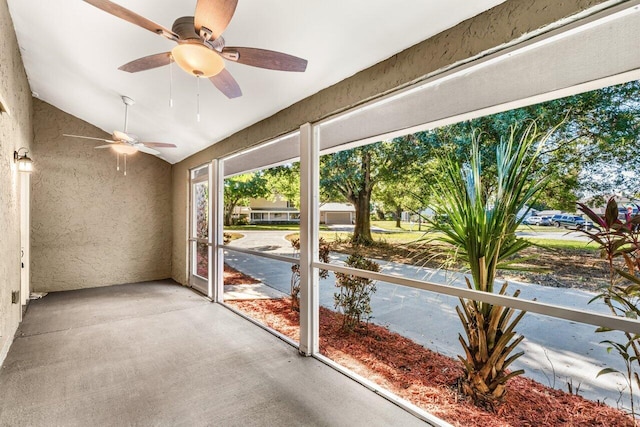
[(557, 352)]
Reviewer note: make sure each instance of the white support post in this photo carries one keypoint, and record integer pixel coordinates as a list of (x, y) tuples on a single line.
[(217, 229), (309, 280), (211, 267)]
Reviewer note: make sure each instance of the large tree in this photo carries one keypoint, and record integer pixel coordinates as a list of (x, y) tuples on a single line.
[(240, 189), (351, 175)]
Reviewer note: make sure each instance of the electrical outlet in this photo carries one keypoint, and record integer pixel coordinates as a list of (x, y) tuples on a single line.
[(15, 297)]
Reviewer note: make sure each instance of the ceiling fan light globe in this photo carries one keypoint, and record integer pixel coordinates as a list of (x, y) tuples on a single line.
[(197, 59), (124, 149)]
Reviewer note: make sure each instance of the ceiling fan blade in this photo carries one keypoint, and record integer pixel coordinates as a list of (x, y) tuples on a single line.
[(226, 84), (87, 137), (159, 144), (264, 58), (134, 18), (147, 62), (214, 15), (147, 150), (104, 146)]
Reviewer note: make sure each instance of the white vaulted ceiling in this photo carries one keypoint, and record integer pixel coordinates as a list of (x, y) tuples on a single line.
[(72, 51)]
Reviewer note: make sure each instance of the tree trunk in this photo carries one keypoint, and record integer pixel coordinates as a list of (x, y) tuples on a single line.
[(362, 227), (228, 212), (398, 215), (362, 203)]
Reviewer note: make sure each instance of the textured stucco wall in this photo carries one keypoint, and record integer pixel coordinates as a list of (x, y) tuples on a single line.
[(90, 224), (497, 26), (16, 130)]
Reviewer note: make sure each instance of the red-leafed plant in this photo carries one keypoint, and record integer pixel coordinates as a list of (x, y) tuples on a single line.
[(620, 246)]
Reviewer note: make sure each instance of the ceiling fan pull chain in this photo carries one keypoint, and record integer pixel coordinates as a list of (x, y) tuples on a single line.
[(170, 81), (118, 161), (125, 164), (126, 111), (198, 97)]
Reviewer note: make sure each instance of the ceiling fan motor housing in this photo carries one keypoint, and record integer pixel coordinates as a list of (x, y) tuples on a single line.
[(185, 29)]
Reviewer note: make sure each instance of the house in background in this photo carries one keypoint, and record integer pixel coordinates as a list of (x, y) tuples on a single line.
[(337, 213), (282, 211), (275, 211)]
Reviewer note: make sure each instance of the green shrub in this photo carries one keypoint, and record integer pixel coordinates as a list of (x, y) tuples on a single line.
[(354, 296), (243, 220)]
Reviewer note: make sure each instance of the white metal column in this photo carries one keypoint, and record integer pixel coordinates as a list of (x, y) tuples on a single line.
[(217, 229), (211, 268), (309, 223)]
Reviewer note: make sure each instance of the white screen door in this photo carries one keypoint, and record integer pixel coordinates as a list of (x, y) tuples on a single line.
[(199, 230)]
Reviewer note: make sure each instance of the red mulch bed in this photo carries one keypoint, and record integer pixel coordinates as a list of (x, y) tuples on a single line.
[(428, 379), (234, 277)]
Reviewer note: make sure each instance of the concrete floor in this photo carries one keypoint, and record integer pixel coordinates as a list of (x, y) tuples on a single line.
[(157, 353)]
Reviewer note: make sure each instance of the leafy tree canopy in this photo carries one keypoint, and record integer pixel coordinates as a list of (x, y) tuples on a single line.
[(284, 181), (240, 189), (593, 150)]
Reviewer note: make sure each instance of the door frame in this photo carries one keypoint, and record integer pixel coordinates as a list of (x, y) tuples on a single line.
[(201, 284), (25, 238)]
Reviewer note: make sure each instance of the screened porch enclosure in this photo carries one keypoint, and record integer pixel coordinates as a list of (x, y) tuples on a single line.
[(553, 65)]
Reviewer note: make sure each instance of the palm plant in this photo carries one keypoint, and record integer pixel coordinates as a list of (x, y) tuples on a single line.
[(481, 219)]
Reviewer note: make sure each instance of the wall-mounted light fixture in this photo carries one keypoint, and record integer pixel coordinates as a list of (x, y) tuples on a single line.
[(24, 162), (3, 108)]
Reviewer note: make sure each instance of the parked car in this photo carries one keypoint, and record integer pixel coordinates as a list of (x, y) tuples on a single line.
[(537, 220), (625, 213), (571, 221)]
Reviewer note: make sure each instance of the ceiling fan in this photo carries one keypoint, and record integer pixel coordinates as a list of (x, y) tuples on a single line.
[(201, 48), (125, 143)]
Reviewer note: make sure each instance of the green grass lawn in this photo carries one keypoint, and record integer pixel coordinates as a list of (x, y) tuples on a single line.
[(408, 237), (540, 228), (407, 226), (263, 227), (390, 238), (403, 235), (266, 227), (391, 225), (565, 244)]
